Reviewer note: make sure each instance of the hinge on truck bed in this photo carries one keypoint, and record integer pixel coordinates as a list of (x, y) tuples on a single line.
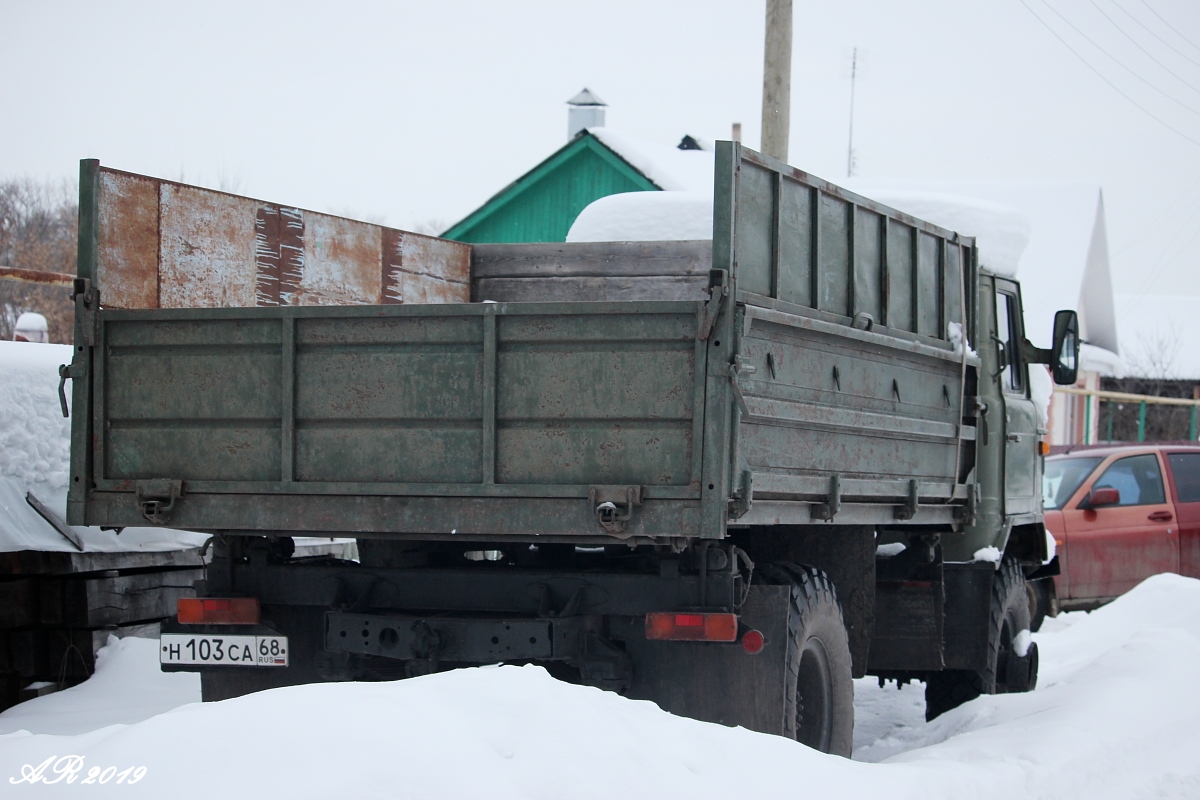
[(965, 514), (718, 290), (827, 511), (157, 498), (909, 509), (614, 508), (743, 497), (87, 303)]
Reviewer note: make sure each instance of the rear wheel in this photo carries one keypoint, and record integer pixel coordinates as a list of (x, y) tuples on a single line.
[(1012, 659), (819, 710)]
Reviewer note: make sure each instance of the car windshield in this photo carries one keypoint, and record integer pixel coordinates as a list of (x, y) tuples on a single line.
[(1062, 477)]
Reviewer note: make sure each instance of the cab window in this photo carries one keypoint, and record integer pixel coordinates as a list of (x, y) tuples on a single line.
[(1009, 333), (1137, 478)]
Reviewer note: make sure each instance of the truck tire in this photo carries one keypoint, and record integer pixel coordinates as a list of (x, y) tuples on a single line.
[(819, 704), (1010, 615)]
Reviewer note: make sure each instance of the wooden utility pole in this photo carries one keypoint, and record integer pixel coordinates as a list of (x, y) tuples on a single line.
[(777, 79)]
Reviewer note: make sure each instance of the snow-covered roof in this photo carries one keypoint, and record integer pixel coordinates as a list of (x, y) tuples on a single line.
[(665, 165)]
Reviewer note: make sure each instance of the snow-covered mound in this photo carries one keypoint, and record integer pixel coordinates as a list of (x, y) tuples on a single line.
[(127, 687), (645, 217), (1116, 715), (35, 447), (35, 456)]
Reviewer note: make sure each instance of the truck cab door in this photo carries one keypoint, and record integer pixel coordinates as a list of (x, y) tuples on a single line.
[(1022, 464)]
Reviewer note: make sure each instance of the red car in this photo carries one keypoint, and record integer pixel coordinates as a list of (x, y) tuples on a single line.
[(1119, 515)]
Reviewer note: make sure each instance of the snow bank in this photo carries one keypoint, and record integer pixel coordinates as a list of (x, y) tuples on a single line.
[(1116, 715), (34, 437), (35, 456), (645, 217), (127, 687)]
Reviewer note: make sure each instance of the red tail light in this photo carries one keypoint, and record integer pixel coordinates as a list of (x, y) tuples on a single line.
[(753, 642), (691, 627), (218, 610)]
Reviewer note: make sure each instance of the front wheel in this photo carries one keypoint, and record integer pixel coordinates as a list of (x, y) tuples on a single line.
[(1011, 658), (819, 697)]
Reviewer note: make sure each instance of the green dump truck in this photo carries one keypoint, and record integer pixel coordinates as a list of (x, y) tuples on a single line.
[(724, 476)]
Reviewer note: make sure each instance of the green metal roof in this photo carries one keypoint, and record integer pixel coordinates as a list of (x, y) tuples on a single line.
[(541, 205)]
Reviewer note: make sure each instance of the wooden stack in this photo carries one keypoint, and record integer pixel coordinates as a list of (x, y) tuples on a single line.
[(58, 609)]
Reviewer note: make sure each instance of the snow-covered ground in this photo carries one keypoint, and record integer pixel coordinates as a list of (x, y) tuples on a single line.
[(1116, 715)]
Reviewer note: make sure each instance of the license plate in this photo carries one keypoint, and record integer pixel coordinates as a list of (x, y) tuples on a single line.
[(223, 651)]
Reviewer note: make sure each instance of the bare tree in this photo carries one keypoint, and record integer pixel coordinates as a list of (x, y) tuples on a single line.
[(1154, 357), (1151, 370), (38, 229), (38, 224)]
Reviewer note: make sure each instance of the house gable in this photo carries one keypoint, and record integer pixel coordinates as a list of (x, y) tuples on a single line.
[(541, 205)]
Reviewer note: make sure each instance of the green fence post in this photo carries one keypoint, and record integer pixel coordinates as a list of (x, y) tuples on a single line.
[(1087, 419), (1110, 422), (1142, 421), (1192, 426)]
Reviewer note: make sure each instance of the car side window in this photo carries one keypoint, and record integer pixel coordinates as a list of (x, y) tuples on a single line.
[(1186, 467), (1137, 478)]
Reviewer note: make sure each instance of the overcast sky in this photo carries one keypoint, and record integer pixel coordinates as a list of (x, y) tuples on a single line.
[(413, 112)]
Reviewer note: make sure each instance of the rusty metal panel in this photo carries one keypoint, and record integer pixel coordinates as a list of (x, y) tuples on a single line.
[(127, 258), (168, 245), (424, 269), (208, 248), (341, 264)]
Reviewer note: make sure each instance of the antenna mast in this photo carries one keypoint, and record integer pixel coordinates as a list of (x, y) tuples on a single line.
[(850, 144)]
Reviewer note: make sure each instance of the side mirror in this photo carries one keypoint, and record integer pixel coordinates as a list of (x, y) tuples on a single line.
[(1103, 496), (1065, 350)]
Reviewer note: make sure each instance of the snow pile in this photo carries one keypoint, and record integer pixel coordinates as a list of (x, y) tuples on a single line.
[(31, 327), (988, 554), (34, 437), (1116, 715), (127, 687), (645, 217), (35, 456)]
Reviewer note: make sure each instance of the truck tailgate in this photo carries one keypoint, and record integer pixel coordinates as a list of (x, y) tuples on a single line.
[(507, 419)]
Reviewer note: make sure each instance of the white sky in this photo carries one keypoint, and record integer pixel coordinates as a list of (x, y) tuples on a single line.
[(410, 112)]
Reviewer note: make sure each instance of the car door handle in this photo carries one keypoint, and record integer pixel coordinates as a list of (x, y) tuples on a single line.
[(1160, 516)]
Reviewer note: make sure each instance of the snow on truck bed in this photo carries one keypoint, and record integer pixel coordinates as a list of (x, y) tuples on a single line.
[(1116, 715)]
